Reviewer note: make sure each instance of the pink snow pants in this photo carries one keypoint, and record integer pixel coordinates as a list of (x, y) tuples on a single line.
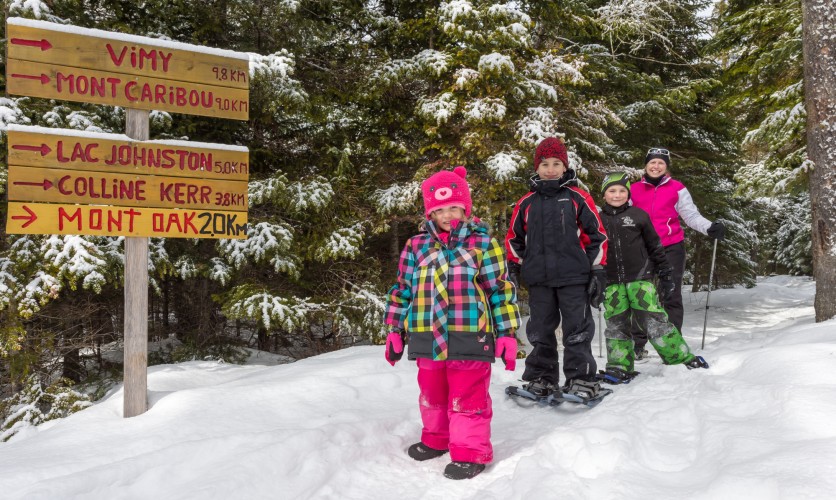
[(456, 408)]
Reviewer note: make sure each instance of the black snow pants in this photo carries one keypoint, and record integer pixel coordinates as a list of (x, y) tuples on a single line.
[(548, 306)]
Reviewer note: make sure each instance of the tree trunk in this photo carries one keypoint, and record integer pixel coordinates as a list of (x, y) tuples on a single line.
[(166, 299), (820, 100), (72, 359)]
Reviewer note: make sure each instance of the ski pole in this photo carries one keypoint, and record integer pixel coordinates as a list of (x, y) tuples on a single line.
[(707, 297), (600, 335)]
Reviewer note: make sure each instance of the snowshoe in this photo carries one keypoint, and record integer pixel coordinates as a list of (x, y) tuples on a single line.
[(697, 362), (586, 392), (641, 355), (558, 397), (463, 470), (616, 376), (419, 451)]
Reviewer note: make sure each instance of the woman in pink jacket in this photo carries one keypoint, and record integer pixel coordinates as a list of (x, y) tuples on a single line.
[(667, 200)]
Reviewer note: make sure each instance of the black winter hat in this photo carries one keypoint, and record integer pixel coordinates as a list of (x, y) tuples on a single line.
[(658, 153)]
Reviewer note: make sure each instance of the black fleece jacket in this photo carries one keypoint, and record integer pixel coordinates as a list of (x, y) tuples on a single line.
[(635, 250)]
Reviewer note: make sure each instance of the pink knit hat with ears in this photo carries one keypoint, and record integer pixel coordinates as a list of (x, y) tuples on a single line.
[(446, 189)]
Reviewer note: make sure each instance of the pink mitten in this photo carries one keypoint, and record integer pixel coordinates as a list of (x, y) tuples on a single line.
[(506, 348), (394, 348)]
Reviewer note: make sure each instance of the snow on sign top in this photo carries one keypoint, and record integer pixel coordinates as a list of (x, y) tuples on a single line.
[(97, 50), (124, 37), (121, 137)]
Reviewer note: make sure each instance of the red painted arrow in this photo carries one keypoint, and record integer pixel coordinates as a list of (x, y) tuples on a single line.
[(46, 184), (42, 43), (43, 148), (29, 218), (43, 78)]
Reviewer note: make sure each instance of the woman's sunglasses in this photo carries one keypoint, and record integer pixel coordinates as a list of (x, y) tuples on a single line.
[(658, 151)]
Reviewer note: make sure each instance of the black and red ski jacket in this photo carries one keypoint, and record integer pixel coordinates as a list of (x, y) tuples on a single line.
[(556, 233)]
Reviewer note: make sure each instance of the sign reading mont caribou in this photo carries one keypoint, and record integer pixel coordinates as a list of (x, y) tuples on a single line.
[(71, 182), (86, 65)]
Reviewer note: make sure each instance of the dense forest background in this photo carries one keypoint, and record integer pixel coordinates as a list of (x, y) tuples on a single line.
[(353, 103)]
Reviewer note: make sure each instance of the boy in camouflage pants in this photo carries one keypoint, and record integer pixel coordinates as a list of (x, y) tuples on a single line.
[(633, 253)]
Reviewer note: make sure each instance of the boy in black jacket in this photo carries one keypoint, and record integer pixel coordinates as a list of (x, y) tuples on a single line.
[(633, 252), (557, 244)]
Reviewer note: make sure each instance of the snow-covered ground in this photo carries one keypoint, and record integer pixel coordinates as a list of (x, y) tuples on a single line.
[(759, 424)]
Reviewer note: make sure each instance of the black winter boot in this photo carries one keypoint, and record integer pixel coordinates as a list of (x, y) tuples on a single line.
[(583, 388), (419, 451), (540, 388), (463, 470)]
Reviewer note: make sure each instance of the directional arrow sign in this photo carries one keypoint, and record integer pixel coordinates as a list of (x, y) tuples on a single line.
[(100, 87), (42, 147), (51, 43), (42, 44), (42, 218), (45, 184), (100, 188), (44, 79), (26, 220)]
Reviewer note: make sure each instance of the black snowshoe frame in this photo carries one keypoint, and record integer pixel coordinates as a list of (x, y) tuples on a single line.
[(558, 398)]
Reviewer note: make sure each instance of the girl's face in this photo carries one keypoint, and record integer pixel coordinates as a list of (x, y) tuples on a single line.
[(443, 217), (656, 168), (550, 169), (617, 195)]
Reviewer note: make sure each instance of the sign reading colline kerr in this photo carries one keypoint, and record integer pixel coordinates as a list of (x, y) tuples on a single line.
[(84, 65)]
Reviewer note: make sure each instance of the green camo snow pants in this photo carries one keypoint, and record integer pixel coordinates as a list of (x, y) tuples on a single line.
[(639, 299)]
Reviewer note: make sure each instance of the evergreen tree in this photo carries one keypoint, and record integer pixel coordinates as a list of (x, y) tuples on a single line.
[(759, 45)]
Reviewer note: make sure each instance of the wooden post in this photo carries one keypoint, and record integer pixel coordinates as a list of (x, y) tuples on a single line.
[(136, 297)]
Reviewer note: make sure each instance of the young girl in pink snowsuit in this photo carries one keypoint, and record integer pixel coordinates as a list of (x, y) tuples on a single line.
[(454, 303)]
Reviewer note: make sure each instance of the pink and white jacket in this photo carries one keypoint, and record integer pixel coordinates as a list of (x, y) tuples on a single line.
[(665, 204)]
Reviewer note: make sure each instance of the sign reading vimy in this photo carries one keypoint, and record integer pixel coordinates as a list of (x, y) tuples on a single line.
[(71, 182), (84, 65)]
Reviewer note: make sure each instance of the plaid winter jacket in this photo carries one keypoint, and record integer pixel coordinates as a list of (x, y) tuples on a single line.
[(452, 298)]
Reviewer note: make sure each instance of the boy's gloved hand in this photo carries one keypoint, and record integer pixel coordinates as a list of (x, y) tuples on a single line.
[(394, 347), (666, 287), (506, 349), (597, 286), (717, 231), (514, 273)]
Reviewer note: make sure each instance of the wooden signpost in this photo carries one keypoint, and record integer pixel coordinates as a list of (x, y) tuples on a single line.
[(70, 182)]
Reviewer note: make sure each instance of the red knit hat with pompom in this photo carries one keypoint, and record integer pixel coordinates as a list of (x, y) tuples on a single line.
[(446, 189), (551, 147)]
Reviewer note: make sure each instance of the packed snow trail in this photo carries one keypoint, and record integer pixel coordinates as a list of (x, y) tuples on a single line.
[(757, 424)]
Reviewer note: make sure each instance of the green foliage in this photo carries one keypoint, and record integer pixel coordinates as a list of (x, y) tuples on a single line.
[(35, 404), (760, 46), (353, 104), (221, 351)]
